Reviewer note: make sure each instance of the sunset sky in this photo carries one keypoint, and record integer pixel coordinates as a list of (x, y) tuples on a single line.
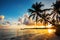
[(16, 8)]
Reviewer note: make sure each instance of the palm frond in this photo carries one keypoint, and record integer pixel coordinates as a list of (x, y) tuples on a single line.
[(36, 18), (41, 20), (47, 15), (30, 16), (53, 4), (40, 4), (30, 10), (33, 6), (46, 9), (36, 4), (33, 16)]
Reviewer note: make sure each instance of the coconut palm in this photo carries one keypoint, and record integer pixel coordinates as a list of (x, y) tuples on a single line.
[(56, 8), (44, 15), (56, 13), (36, 8)]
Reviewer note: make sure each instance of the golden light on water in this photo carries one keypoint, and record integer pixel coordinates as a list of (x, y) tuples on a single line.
[(51, 30), (18, 30)]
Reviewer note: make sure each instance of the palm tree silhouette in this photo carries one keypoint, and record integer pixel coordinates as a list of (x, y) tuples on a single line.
[(36, 11), (44, 15), (56, 8), (36, 8)]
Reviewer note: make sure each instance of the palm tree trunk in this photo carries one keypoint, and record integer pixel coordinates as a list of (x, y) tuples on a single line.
[(44, 23), (57, 26), (57, 18), (53, 16), (57, 30)]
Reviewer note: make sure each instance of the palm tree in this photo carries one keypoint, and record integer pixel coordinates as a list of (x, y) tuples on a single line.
[(56, 8), (36, 8), (44, 15), (55, 13)]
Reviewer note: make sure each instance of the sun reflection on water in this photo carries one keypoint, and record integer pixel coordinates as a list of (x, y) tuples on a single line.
[(19, 30)]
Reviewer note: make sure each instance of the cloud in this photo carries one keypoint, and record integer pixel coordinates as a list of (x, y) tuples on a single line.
[(25, 20), (2, 17)]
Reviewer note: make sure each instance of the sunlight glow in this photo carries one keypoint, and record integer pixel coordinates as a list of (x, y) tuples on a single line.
[(51, 30), (49, 26)]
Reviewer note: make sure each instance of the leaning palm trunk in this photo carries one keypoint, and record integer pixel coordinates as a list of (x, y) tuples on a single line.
[(57, 18), (37, 8), (56, 25), (57, 30)]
